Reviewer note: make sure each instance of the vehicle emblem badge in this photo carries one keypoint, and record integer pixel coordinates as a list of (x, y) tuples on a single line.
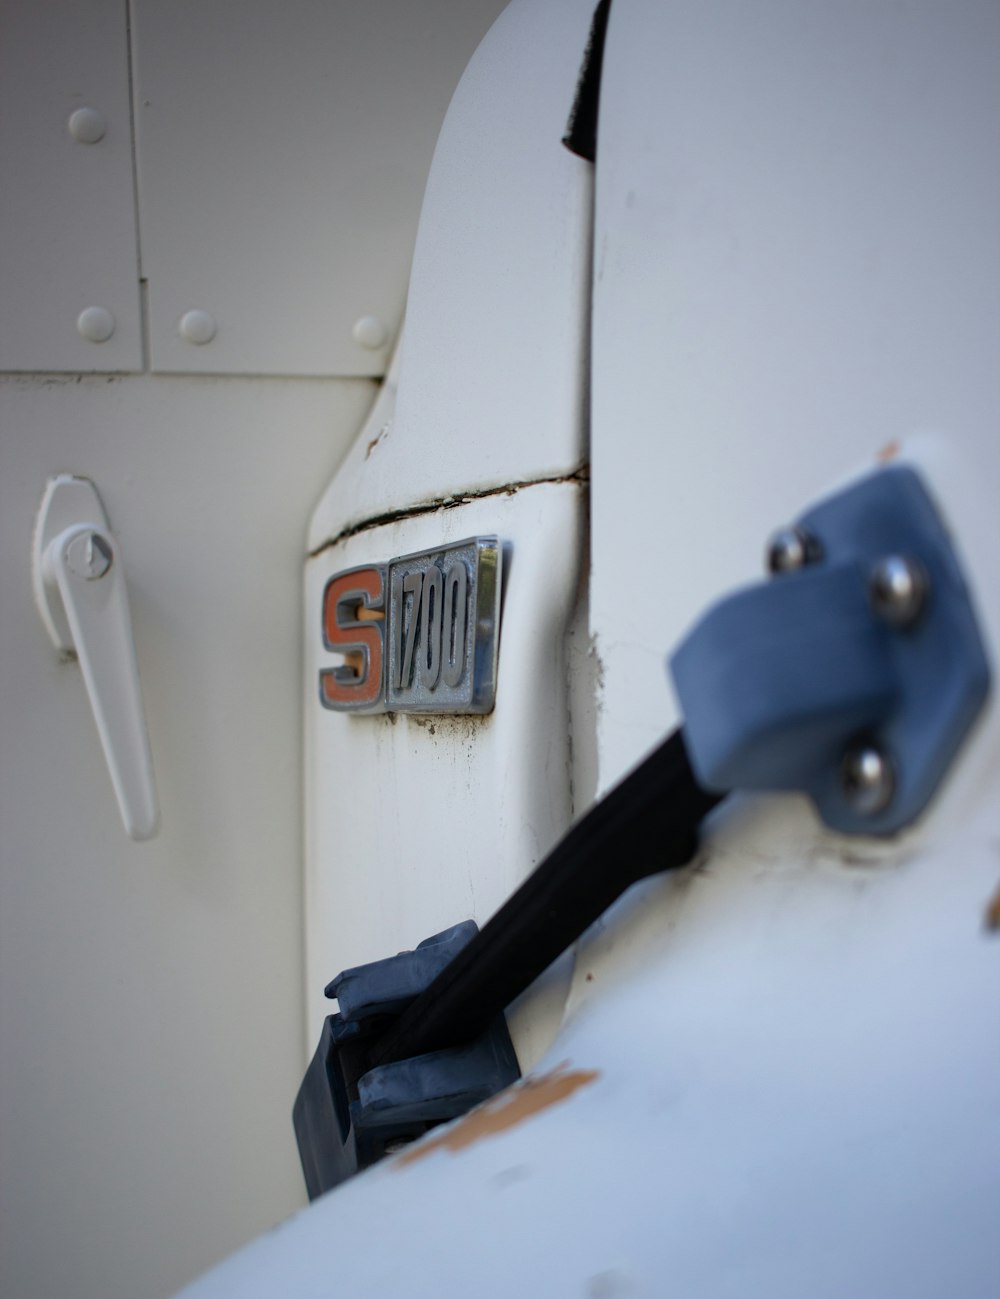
[(418, 634)]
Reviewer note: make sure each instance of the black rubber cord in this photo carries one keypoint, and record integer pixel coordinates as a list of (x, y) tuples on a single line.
[(648, 823)]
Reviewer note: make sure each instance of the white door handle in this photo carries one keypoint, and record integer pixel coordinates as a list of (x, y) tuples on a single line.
[(80, 590)]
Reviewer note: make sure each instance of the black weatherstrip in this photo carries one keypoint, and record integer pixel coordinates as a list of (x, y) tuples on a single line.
[(581, 130)]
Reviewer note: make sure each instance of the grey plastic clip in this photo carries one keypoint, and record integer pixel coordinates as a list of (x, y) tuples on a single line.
[(347, 1115), (853, 675)]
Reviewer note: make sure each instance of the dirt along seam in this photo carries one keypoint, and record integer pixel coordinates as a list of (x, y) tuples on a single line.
[(579, 476)]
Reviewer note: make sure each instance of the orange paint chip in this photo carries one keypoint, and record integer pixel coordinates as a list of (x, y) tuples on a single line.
[(889, 452), (507, 1110), (992, 917)]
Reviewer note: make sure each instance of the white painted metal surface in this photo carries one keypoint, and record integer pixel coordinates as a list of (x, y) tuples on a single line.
[(775, 1111), (414, 823), (792, 282), (282, 155), (778, 1074), (151, 997), (67, 204), (490, 389), (481, 409), (151, 994), (796, 269)]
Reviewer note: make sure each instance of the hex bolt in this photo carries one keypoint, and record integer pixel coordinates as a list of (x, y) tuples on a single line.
[(897, 590), (867, 779), (791, 549), (89, 556)]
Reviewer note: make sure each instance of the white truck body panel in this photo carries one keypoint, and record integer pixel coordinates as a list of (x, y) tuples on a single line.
[(776, 1073), (416, 822)]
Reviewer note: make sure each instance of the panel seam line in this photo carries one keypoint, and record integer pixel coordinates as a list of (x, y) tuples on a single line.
[(578, 477)]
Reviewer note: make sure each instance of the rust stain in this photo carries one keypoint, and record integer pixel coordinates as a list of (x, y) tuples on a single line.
[(507, 1110), (889, 452), (992, 917), (376, 440)]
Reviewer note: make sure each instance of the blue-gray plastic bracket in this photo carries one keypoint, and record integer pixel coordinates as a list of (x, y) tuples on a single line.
[(778, 681), (347, 1116)]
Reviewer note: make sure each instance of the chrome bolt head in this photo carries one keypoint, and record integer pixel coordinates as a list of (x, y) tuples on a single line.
[(897, 590), (791, 549), (867, 779), (89, 556)]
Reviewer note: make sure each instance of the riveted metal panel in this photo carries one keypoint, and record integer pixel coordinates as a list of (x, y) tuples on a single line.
[(282, 156), (67, 203)]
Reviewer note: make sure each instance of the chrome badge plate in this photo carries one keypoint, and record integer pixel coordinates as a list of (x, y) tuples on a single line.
[(418, 634)]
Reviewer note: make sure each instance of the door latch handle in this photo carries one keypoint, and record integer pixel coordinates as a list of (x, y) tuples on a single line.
[(80, 590)]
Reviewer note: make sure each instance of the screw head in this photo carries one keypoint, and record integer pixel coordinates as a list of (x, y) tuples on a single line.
[(87, 125), (791, 549), (897, 590), (867, 779), (96, 324), (369, 332), (89, 556), (197, 326)]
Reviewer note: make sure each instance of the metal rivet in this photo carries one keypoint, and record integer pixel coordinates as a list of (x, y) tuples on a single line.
[(197, 326), (370, 332), (867, 779), (791, 549), (897, 590), (89, 556), (96, 324), (87, 125)]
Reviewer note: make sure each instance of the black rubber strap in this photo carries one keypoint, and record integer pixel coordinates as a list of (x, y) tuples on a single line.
[(646, 824)]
